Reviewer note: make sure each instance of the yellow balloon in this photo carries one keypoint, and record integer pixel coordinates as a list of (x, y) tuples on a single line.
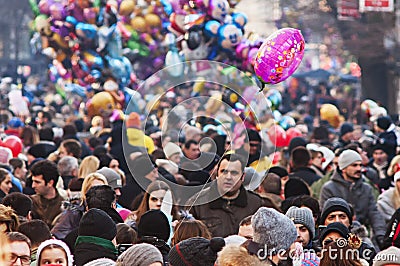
[(139, 24), (152, 20), (126, 7), (330, 113), (213, 104)]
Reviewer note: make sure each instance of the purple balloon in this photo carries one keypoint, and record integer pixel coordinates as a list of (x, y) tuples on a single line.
[(44, 6), (57, 11), (279, 56)]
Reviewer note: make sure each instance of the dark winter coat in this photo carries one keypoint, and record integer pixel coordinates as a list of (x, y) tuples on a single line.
[(360, 196)]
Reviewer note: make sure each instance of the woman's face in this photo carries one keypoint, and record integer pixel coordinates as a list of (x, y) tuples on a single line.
[(6, 185), (156, 198), (53, 256)]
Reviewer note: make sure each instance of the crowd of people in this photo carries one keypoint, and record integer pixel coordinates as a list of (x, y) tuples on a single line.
[(157, 188)]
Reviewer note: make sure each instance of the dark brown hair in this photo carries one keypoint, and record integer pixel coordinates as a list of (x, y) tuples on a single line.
[(341, 256), (189, 228)]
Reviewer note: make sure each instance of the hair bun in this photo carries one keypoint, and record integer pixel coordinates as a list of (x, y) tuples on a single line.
[(216, 244)]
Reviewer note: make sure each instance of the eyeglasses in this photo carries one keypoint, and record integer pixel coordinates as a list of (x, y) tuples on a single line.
[(25, 260)]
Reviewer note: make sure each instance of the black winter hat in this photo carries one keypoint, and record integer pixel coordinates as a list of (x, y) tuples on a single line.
[(196, 251), (296, 187), (346, 128), (335, 204), (384, 122), (253, 135), (154, 223), (334, 227), (296, 142), (280, 171), (98, 223)]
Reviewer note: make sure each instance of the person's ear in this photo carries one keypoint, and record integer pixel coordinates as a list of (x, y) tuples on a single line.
[(51, 183), (29, 216)]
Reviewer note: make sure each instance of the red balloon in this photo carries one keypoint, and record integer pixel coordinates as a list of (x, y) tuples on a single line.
[(277, 135), (292, 133), (14, 144)]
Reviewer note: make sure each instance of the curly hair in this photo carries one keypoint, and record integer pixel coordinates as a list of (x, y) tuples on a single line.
[(9, 218)]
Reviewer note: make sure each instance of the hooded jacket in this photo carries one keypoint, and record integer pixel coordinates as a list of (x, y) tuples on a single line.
[(360, 196), (385, 204)]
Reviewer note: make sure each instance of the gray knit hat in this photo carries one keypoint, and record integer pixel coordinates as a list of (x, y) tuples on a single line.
[(348, 157), (273, 229), (113, 178), (140, 255), (302, 216), (101, 262), (389, 256)]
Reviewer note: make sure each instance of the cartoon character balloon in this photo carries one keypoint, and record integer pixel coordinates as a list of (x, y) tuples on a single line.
[(279, 56)]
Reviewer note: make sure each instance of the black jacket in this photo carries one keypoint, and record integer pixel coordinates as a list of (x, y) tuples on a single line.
[(307, 174)]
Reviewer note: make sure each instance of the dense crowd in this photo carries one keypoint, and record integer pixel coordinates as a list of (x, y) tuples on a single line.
[(156, 188)]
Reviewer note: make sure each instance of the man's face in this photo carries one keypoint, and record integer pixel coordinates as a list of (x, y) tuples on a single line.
[(337, 216), (38, 184), (348, 136), (353, 171), (230, 177), (21, 250), (153, 175), (193, 152), (379, 156), (303, 236)]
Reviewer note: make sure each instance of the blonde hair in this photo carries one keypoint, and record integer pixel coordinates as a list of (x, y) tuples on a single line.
[(393, 162), (4, 249), (8, 217), (89, 164), (88, 181), (234, 255)]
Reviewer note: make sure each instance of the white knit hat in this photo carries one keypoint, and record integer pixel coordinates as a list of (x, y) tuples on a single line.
[(171, 149), (70, 258), (396, 177), (348, 157)]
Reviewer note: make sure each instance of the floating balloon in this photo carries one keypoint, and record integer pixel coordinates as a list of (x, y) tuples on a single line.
[(279, 56), (292, 133), (330, 113), (14, 144), (275, 97), (277, 135), (287, 122), (367, 105)]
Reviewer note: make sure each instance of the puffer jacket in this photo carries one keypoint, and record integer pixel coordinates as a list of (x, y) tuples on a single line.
[(360, 196), (385, 204)]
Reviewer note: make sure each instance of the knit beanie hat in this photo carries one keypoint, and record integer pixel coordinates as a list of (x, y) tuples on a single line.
[(98, 223), (101, 262), (346, 128), (384, 122), (335, 204), (334, 227), (171, 149), (140, 255), (113, 178), (15, 122), (196, 251), (154, 223), (142, 165), (302, 216), (133, 120), (348, 157), (273, 229), (57, 242), (389, 256)]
